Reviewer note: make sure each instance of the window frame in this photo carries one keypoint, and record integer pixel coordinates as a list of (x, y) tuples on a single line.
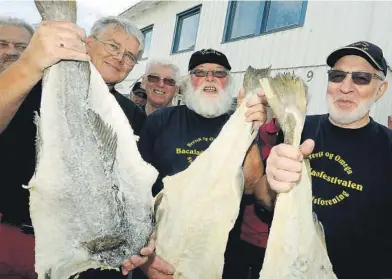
[(143, 30), (177, 28), (261, 22)]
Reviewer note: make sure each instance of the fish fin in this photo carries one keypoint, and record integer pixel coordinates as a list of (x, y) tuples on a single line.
[(158, 200), (38, 137), (287, 96), (104, 243), (319, 229), (107, 138), (252, 78)]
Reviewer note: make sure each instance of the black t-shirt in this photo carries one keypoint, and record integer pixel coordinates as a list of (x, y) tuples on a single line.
[(173, 137), (135, 115), (352, 195), (17, 159), (17, 153)]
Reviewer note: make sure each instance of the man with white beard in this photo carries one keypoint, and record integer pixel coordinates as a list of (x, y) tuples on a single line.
[(351, 157), (173, 137)]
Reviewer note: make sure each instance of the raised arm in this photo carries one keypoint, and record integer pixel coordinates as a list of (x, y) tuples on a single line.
[(52, 42)]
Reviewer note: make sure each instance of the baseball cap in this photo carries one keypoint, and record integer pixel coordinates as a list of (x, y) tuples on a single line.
[(371, 52), (208, 56)]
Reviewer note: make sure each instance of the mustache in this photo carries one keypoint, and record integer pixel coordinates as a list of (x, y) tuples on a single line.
[(337, 99), (209, 84), (9, 57)]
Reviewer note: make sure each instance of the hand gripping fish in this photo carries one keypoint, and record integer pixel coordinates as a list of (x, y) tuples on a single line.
[(90, 197), (296, 245), (198, 207)]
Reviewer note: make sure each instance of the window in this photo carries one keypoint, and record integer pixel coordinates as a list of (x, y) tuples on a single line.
[(186, 30), (147, 33), (250, 18)]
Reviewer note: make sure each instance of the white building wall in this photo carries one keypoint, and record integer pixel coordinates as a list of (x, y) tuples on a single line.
[(328, 25)]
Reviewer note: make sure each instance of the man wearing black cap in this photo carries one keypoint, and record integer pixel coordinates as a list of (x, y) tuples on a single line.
[(351, 165), (173, 137), (138, 95)]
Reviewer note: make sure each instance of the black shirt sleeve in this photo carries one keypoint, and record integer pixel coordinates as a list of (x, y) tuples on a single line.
[(146, 143), (135, 115)]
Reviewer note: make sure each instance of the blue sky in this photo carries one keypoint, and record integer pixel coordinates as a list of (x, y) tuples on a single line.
[(88, 10)]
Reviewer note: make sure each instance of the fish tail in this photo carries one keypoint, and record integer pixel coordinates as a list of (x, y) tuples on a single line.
[(57, 10)]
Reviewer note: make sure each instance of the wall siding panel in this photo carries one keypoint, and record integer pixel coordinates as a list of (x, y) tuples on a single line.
[(328, 25)]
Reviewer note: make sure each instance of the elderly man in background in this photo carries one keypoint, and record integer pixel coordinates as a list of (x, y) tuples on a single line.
[(113, 47), (161, 84), (208, 96), (15, 35), (138, 95)]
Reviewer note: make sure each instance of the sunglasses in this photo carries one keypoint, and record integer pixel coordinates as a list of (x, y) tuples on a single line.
[(204, 73), (156, 79), (359, 78)]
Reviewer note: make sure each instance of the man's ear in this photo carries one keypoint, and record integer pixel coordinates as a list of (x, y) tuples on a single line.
[(143, 83), (89, 42), (381, 90)]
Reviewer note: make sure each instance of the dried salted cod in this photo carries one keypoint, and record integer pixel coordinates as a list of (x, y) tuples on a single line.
[(296, 246), (90, 196), (198, 207)]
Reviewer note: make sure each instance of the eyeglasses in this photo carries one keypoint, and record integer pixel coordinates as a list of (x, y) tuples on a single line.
[(20, 47), (156, 79), (114, 49), (204, 73), (359, 78)]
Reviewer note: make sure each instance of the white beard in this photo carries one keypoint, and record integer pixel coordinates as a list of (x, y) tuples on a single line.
[(343, 117), (207, 106)]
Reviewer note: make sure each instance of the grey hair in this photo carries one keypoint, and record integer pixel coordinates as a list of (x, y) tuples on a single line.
[(165, 63), (382, 75), (122, 23), (17, 22)]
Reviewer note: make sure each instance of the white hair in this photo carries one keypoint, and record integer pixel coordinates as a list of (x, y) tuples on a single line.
[(164, 63), (381, 74), (196, 100), (124, 24), (18, 23)]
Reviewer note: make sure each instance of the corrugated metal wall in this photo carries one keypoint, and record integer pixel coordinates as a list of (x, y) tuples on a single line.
[(328, 25)]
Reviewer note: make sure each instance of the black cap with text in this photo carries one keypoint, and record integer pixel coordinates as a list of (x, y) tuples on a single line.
[(372, 53), (208, 56)]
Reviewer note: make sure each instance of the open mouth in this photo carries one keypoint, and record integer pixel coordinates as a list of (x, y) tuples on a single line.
[(209, 89), (159, 92)]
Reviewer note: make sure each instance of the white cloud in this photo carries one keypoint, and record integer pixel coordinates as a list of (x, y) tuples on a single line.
[(88, 10)]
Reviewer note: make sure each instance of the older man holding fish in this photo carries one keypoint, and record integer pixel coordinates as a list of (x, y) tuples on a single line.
[(113, 47), (350, 158)]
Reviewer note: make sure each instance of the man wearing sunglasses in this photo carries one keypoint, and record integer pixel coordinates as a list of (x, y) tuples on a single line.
[(161, 84), (351, 157), (173, 137), (113, 48)]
